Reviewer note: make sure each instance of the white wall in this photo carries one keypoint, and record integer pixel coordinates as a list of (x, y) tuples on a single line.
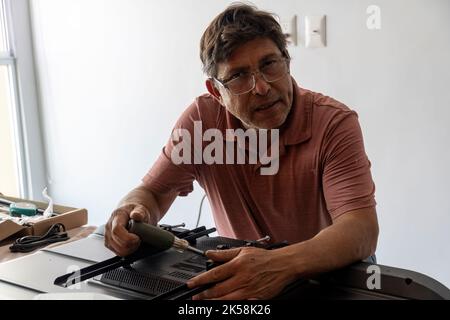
[(115, 74)]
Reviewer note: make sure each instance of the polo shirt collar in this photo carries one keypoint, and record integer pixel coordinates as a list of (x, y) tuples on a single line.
[(297, 128)]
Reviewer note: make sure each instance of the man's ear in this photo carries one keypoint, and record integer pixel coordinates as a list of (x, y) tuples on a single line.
[(213, 90)]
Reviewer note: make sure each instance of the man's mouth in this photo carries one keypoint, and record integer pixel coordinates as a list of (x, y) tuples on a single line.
[(266, 106)]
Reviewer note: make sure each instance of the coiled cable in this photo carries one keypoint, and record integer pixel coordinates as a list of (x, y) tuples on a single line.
[(55, 233)]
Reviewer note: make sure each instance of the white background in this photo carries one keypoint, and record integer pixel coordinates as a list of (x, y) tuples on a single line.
[(114, 75)]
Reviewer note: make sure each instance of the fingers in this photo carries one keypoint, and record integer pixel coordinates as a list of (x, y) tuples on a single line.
[(233, 288), (217, 274), (233, 295), (117, 237), (223, 255), (246, 273), (229, 288), (119, 232), (120, 250), (140, 213)]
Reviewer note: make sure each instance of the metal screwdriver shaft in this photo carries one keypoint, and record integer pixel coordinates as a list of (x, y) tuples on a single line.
[(184, 245)]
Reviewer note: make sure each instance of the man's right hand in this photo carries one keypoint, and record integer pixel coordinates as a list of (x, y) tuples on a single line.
[(117, 237)]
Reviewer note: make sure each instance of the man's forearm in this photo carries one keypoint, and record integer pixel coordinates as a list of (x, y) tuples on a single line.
[(351, 238), (144, 197)]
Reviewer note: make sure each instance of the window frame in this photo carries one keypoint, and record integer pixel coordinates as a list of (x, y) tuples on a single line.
[(26, 118)]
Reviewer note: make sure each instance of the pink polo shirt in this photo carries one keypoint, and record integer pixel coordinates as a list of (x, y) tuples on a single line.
[(323, 172)]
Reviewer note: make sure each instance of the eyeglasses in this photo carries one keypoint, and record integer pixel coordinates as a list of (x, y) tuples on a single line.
[(243, 82)]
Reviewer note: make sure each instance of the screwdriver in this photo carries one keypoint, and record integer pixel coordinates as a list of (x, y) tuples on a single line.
[(159, 238)]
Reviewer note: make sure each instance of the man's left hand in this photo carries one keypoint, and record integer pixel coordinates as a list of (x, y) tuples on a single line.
[(246, 273)]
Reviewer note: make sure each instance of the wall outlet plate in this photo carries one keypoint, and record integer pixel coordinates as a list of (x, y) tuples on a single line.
[(315, 31), (289, 27)]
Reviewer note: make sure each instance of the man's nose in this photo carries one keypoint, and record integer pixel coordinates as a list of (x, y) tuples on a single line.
[(262, 87)]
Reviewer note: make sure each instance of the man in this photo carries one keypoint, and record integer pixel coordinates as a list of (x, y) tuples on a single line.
[(321, 197)]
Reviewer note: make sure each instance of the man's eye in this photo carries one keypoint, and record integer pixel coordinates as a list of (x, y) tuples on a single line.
[(235, 76), (269, 63)]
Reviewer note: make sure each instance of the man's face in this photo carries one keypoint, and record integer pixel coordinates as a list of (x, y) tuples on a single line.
[(268, 104)]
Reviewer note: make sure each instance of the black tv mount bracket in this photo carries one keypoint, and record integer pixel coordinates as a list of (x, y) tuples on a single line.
[(144, 251)]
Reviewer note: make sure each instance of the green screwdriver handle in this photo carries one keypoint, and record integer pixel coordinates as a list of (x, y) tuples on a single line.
[(151, 235)]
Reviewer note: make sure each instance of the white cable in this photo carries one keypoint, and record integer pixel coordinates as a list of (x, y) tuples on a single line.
[(200, 211), (49, 211)]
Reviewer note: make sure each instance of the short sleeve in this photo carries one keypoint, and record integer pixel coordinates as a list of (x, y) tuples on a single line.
[(347, 180), (168, 175)]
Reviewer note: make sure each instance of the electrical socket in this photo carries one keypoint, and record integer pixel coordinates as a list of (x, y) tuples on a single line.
[(289, 27), (315, 31)]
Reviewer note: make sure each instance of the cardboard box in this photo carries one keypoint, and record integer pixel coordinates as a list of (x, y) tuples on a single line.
[(68, 216)]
